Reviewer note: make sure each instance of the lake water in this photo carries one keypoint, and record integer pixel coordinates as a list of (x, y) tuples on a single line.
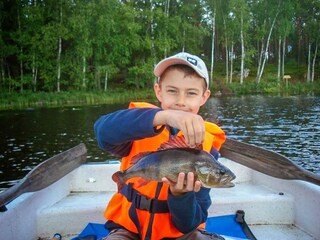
[(287, 125)]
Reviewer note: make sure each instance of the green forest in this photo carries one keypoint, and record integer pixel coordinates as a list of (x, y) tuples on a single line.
[(100, 45)]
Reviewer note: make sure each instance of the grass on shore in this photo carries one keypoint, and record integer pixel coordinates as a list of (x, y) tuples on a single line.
[(73, 98), (28, 99)]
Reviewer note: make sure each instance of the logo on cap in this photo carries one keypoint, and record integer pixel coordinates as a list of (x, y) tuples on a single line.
[(192, 61)]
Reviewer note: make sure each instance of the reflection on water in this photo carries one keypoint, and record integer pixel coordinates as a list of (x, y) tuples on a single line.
[(32, 136), (290, 126)]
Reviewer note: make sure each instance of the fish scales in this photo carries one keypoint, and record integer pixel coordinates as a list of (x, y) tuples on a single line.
[(174, 161)]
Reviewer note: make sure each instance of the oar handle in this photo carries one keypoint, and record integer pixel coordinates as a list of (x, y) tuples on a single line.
[(310, 177), (6, 195)]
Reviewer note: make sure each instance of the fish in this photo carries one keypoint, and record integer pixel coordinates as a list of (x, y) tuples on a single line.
[(174, 157)]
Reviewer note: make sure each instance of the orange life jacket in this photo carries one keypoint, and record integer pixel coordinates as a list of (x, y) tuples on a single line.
[(119, 209)]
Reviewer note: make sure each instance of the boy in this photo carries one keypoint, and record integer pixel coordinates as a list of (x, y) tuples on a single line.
[(162, 210)]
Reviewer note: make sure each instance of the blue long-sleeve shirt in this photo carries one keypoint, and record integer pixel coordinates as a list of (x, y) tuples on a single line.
[(115, 133)]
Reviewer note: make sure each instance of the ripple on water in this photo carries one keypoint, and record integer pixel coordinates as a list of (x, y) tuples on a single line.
[(289, 126)]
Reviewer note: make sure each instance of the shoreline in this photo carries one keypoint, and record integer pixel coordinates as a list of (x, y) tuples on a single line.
[(30, 100)]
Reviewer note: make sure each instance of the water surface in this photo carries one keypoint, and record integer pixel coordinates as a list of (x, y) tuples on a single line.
[(290, 126)]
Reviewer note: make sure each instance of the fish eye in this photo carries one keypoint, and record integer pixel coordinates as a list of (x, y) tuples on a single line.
[(222, 171)]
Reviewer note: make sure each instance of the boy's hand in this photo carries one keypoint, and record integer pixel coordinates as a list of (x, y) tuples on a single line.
[(185, 183), (191, 124)]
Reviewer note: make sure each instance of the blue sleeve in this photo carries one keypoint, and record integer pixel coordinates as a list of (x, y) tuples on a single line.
[(189, 210), (116, 131)]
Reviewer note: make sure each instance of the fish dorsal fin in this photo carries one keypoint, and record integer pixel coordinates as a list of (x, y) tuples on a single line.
[(137, 157), (176, 142)]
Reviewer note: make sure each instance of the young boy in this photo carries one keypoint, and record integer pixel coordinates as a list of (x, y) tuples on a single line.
[(162, 210)]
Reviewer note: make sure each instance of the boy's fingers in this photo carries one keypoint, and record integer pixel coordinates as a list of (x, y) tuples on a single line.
[(180, 181), (197, 186), (192, 126), (194, 132), (199, 131), (185, 183), (165, 180), (190, 182)]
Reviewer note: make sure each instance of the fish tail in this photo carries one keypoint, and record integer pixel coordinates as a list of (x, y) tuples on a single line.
[(117, 178)]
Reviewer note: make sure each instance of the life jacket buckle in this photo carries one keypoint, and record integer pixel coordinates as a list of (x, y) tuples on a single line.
[(143, 203)]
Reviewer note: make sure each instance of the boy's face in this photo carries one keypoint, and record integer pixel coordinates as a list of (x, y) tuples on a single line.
[(179, 92)]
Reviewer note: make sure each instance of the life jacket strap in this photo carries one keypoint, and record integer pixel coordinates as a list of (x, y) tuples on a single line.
[(141, 202)]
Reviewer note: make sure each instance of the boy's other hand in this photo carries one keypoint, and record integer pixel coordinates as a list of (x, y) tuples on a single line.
[(191, 124), (185, 183)]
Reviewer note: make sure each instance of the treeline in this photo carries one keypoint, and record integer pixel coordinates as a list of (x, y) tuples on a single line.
[(55, 45)]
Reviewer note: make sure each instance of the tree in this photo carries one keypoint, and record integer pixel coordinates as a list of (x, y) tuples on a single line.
[(53, 34), (117, 41), (282, 30), (211, 12), (167, 25), (242, 14), (230, 36), (64, 45), (312, 29), (4, 47), (270, 11), (35, 22), (192, 29), (81, 25)]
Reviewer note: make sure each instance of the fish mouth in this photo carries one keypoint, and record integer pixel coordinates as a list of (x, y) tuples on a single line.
[(229, 184), (227, 180), (230, 176)]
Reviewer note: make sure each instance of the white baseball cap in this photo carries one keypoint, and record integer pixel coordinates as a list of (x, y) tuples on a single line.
[(186, 59)]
